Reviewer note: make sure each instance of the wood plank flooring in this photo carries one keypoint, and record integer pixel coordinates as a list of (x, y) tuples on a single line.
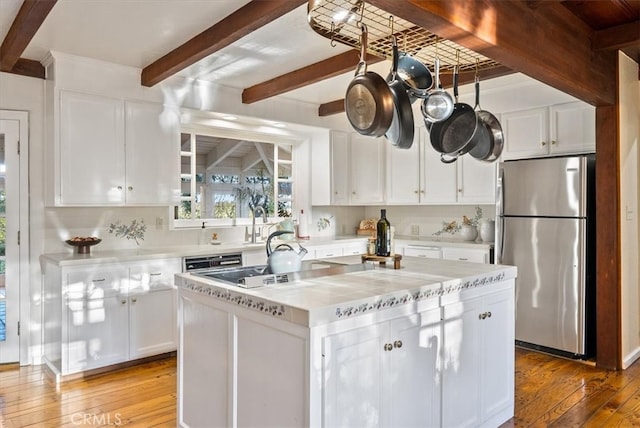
[(550, 392)]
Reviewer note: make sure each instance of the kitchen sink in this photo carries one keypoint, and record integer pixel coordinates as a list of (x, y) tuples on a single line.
[(258, 275)]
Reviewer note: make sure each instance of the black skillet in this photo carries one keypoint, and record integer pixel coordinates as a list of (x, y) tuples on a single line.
[(401, 131)]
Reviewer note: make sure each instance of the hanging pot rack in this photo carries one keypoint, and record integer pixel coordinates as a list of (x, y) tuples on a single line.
[(339, 20)]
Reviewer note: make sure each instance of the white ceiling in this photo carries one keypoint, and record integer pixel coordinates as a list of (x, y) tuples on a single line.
[(138, 32)]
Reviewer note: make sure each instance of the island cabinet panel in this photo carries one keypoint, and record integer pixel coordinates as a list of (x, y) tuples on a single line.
[(271, 386), (205, 369), (478, 360)]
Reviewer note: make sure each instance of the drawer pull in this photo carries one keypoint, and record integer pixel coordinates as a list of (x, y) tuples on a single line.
[(99, 280), (155, 273)]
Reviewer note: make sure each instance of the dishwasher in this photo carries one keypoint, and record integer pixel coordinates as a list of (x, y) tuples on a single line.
[(201, 263)]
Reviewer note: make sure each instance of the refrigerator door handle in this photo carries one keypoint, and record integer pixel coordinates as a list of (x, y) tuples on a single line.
[(500, 216)]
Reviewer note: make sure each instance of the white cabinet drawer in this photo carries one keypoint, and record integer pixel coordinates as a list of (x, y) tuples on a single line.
[(326, 252), (465, 255), (425, 252)]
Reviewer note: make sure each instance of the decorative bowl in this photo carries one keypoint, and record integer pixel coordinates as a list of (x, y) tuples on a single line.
[(83, 245)]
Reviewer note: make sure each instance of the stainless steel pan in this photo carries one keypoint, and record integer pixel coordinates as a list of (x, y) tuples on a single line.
[(368, 101), (489, 146)]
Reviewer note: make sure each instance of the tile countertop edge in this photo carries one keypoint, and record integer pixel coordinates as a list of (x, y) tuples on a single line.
[(473, 275)]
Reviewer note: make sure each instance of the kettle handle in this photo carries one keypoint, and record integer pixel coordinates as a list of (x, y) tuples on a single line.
[(273, 235)]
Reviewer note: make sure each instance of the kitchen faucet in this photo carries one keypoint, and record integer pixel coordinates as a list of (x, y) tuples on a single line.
[(253, 221)]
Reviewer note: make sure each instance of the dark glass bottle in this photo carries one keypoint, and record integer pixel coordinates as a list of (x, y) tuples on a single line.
[(383, 237)]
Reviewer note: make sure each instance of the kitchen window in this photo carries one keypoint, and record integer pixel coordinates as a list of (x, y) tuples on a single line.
[(224, 179)]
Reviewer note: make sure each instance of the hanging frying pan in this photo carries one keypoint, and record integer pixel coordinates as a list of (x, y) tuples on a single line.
[(489, 146), (401, 131), (368, 101), (438, 104), (455, 135)]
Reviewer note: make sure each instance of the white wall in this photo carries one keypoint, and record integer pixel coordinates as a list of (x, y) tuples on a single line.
[(629, 95)]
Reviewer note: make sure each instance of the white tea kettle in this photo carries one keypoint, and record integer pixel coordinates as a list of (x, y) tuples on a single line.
[(284, 258)]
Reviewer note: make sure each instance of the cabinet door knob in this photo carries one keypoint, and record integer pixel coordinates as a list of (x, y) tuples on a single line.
[(397, 344), (482, 316), (553, 142), (488, 314), (134, 299), (415, 191), (119, 187), (459, 190), (388, 347), (543, 143), (123, 301), (130, 188)]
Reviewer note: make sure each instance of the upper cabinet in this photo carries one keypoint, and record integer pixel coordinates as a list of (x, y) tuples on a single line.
[(356, 175), (110, 151), (418, 176), (547, 131)]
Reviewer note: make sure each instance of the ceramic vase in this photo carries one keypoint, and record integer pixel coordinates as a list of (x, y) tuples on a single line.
[(468, 233), (488, 230)]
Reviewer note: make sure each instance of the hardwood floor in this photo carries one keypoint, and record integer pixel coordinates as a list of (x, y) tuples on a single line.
[(550, 391)]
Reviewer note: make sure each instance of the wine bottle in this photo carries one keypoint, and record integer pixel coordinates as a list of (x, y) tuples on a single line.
[(383, 235)]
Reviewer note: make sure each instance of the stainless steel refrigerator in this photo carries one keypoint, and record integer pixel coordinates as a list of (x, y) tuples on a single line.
[(546, 227)]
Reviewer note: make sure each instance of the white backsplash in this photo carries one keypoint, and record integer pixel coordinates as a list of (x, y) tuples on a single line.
[(324, 222)]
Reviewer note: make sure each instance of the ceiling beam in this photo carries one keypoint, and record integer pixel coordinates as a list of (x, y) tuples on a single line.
[(240, 23), (304, 76), (30, 17), (618, 37), (505, 31), (337, 106)]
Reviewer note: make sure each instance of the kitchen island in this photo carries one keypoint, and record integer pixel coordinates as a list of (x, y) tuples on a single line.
[(430, 344)]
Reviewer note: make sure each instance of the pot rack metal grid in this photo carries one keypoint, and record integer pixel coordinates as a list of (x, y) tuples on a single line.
[(339, 20)]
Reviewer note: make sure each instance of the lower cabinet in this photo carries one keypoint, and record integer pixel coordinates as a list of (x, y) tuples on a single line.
[(388, 371), (467, 254), (478, 360), (103, 314)]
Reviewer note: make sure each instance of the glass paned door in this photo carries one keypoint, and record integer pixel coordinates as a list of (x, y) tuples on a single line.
[(9, 248)]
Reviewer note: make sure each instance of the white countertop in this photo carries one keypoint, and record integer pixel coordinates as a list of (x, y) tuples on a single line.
[(315, 301), (118, 256)]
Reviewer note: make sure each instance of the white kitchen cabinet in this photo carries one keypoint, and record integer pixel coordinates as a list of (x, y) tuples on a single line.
[(367, 170), (91, 157), (102, 314), (327, 251), (466, 181), (390, 368), (567, 128), (96, 320), (355, 248), (478, 358), (340, 168), (108, 151), (404, 178), (152, 323), (466, 254), (152, 154), (357, 170)]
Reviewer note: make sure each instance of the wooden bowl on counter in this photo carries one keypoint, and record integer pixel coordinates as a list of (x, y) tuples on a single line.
[(83, 245)]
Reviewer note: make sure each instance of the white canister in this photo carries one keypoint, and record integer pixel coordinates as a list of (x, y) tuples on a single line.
[(488, 230)]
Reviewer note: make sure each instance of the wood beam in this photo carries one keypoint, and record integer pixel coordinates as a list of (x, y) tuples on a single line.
[(608, 241), (30, 17), (304, 76), (229, 30), (337, 106), (618, 37), (505, 31)]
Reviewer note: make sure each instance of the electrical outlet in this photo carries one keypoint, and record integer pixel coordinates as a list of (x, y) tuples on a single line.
[(159, 223), (415, 229)]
